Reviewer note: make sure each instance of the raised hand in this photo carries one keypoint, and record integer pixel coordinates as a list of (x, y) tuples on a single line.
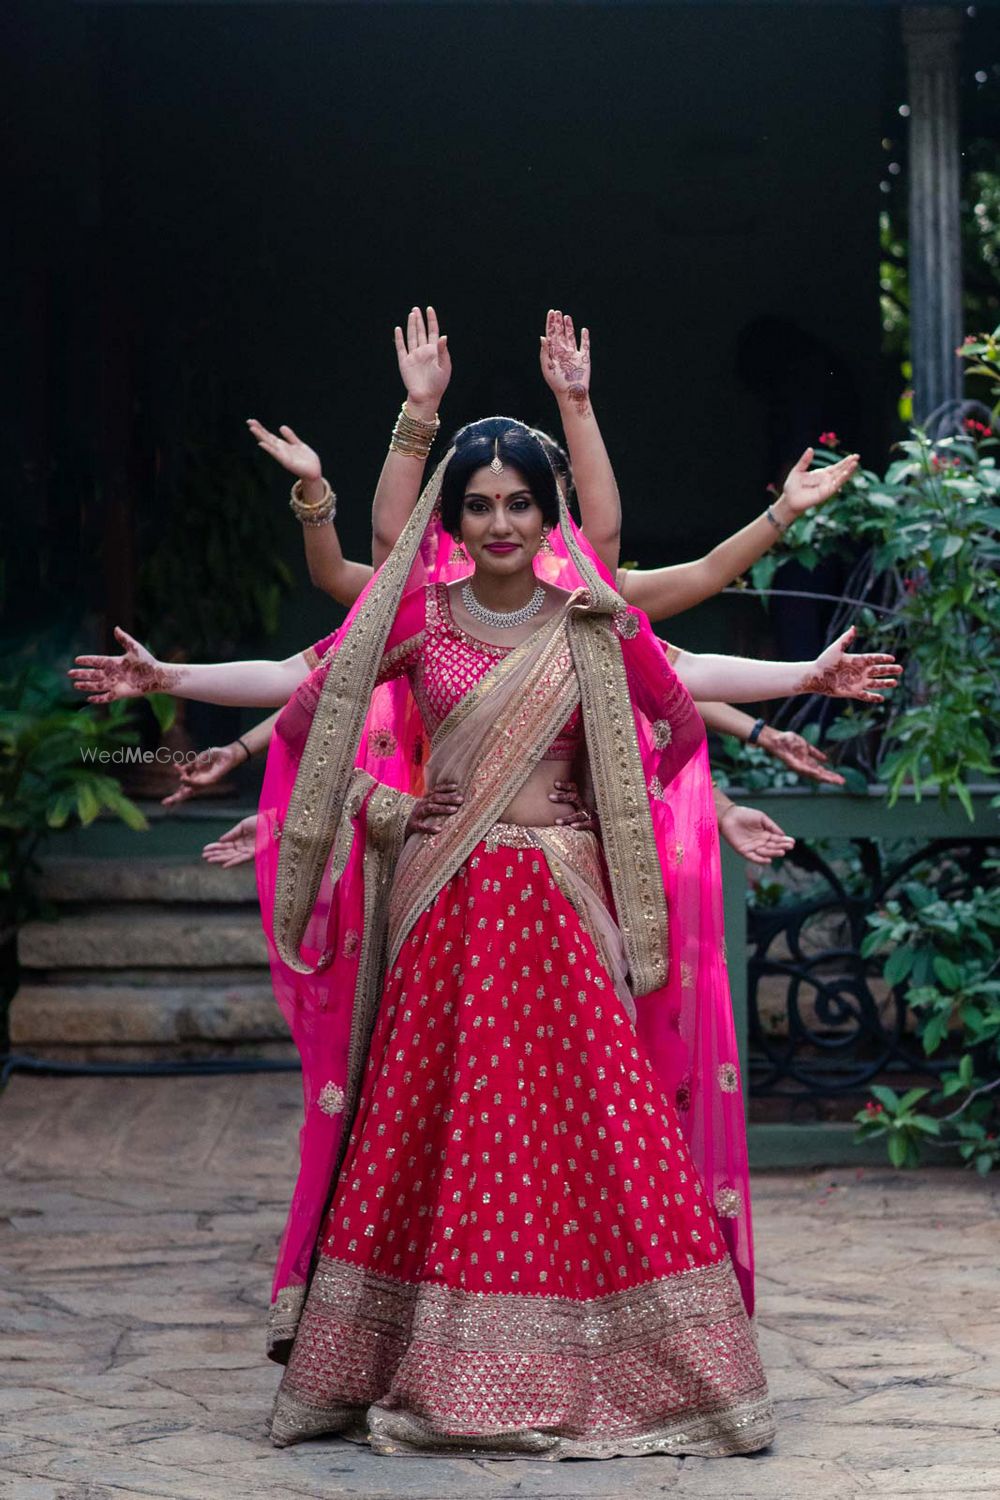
[(430, 812), (197, 775), (234, 847), (798, 755), (290, 451), (565, 367), (104, 678), (807, 487), (424, 361), (753, 834), (835, 674), (567, 792)]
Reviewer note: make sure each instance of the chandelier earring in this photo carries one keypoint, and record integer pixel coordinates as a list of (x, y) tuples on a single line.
[(458, 552)]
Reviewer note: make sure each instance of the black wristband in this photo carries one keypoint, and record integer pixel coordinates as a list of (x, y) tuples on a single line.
[(754, 734), (246, 747)]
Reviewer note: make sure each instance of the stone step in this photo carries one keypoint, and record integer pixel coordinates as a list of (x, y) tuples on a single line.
[(70, 880), (138, 936), (101, 1015)]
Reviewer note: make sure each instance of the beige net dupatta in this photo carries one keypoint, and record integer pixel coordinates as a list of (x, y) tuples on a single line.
[(488, 744)]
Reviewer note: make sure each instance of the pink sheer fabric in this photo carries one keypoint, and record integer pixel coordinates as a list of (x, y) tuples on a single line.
[(686, 1023)]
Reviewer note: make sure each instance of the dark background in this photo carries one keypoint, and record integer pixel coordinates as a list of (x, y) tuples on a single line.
[(220, 211)]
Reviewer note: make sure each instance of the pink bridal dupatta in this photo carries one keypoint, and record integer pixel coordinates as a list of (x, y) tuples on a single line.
[(347, 760)]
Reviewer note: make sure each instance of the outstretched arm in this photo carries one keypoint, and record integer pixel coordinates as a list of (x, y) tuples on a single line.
[(834, 673), (566, 371), (425, 367), (242, 684), (751, 833), (796, 752), (329, 569), (213, 765), (663, 592)]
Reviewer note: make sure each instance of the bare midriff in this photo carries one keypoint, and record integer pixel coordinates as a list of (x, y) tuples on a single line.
[(531, 807)]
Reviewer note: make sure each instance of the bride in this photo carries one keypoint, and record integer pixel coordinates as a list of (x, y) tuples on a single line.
[(522, 1218)]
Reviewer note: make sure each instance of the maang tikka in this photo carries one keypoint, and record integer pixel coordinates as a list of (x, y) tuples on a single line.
[(496, 464)]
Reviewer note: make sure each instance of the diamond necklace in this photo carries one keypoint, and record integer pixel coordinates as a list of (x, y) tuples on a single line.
[(502, 619)]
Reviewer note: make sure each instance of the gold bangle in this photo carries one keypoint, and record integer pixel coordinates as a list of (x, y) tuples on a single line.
[(412, 436), (431, 425), (313, 512)]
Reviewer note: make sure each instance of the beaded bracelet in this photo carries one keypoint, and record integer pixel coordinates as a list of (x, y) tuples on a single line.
[(779, 526), (754, 734)]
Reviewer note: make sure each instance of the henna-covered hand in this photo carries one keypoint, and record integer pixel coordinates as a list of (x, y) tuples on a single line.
[(566, 368), (104, 678), (807, 487), (867, 676), (569, 793), (753, 834), (234, 847), (289, 451), (424, 361), (429, 813), (196, 776), (798, 755)]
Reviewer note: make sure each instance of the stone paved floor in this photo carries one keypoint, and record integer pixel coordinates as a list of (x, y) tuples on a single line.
[(138, 1225)]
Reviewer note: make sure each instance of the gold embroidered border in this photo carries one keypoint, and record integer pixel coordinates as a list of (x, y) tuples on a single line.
[(386, 816), (668, 1366), (577, 848), (622, 801), (327, 762)]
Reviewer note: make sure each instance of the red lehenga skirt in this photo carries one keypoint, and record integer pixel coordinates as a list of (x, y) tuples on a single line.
[(519, 1258)]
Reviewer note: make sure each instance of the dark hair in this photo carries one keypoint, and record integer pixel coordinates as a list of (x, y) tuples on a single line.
[(558, 458), (475, 447)]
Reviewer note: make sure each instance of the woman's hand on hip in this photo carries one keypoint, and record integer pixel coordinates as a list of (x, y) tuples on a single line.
[(568, 793), (430, 812)]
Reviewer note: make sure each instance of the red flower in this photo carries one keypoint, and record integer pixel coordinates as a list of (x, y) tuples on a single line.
[(977, 428), (871, 1108), (829, 440)]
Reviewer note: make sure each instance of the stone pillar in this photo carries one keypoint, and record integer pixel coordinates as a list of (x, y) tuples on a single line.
[(931, 39)]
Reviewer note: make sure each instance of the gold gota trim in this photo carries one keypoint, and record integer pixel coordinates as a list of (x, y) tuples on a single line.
[(441, 1369), (283, 1320), (622, 801), (387, 814), (312, 659), (510, 751), (317, 799)]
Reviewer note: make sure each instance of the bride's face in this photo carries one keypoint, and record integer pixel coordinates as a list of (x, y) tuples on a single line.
[(502, 522)]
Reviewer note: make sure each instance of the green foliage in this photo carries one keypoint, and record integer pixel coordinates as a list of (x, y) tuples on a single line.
[(942, 954), (48, 781), (924, 541)]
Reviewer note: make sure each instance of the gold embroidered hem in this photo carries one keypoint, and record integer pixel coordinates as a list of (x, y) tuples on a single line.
[(669, 1366)]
